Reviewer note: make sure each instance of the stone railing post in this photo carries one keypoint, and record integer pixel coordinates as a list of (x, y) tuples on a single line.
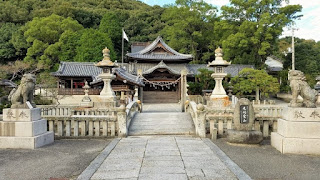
[(122, 124), (183, 88), (201, 120)]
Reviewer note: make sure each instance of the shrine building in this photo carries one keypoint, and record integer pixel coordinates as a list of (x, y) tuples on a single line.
[(153, 69)]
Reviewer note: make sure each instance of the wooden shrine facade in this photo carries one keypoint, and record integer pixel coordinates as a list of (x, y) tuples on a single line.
[(73, 75)]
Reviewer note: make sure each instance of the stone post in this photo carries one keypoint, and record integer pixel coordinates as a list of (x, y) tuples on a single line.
[(122, 121), (200, 115), (135, 97), (139, 73), (122, 98), (183, 89)]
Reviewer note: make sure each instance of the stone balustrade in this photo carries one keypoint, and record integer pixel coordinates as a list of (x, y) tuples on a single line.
[(198, 116), (218, 121), (70, 121)]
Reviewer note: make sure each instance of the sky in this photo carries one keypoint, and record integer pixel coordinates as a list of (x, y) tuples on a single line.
[(307, 27)]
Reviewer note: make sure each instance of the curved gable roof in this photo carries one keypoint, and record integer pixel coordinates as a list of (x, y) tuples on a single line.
[(147, 52), (161, 65)]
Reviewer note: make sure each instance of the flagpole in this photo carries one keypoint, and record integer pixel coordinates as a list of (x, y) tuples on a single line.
[(122, 48)]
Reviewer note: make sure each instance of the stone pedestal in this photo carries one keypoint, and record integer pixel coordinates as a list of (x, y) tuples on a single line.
[(298, 131), (24, 128), (243, 124)]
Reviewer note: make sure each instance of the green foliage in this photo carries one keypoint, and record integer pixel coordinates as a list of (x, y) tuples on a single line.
[(110, 25), (258, 24), (284, 86), (249, 80), (43, 34), (7, 50), (144, 26), (91, 44), (307, 55), (203, 81), (189, 28)]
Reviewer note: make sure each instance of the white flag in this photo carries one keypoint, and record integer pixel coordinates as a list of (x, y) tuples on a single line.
[(124, 35)]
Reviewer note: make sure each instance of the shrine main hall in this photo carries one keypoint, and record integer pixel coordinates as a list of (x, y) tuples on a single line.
[(153, 69)]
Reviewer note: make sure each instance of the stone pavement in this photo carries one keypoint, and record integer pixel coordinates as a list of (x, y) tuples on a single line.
[(161, 107), (162, 123), (163, 157)]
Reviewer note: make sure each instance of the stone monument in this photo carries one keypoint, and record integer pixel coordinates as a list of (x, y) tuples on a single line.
[(243, 122), (107, 96), (298, 129), (219, 97), (22, 125)]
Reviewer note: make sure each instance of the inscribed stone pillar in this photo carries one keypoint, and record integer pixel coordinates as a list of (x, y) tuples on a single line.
[(243, 123)]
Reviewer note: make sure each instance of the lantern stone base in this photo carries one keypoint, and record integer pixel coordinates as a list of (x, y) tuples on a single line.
[(244, 137), (218, 101), (298, 131), (24, 128)]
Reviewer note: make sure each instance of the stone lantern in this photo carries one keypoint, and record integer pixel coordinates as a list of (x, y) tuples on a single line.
[(219, 97), (107, 94), (86, 101)]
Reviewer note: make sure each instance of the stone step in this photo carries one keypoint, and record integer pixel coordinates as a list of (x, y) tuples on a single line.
[(168, 123)]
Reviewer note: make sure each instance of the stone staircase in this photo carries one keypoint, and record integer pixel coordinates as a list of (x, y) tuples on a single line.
[(162, 123)]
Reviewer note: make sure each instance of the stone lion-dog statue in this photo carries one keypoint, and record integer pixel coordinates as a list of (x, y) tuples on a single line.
[(299, 86), (19, 96)]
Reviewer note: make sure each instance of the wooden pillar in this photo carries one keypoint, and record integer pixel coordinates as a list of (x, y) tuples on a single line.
[(71, 86)]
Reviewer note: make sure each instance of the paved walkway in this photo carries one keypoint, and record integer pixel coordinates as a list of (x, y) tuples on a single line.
[(162, 157), (166, 157), (162, 107), (162, 123)]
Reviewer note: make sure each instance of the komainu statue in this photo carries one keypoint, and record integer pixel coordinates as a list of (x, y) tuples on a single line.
[(299, 86), (19, 96)]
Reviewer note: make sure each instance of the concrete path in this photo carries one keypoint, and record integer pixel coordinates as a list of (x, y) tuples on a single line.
[(165, 157)]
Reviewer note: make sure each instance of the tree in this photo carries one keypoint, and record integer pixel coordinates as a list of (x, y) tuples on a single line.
[(15, 70), (258, 23), (110, 25), (251, 80), (203, 81), (7, 50), (91, 44), (68, 43), (42, 36), (189, 27)]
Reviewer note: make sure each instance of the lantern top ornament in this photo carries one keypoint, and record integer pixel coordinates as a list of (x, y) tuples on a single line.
[(218, 52), (219, 60), (106, 62)]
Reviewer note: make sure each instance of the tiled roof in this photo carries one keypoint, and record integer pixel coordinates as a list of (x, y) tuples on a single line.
[(88, 69), (123, 74), (78, 69), (233, 69), (147, 53)]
